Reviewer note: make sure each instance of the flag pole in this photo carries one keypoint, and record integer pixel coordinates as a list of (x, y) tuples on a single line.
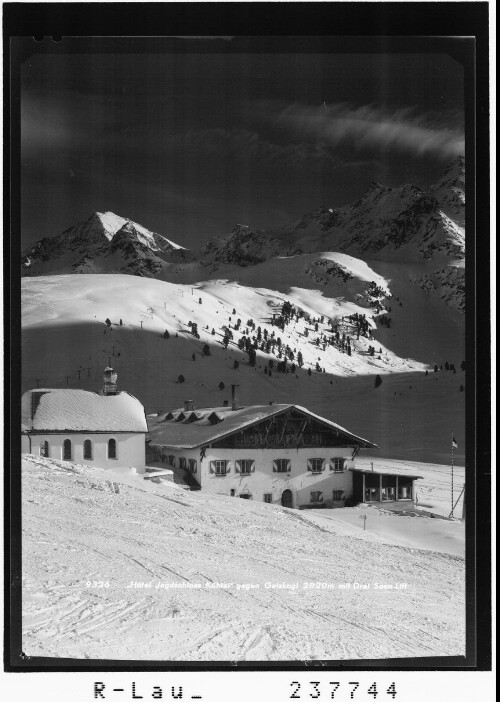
[(452, 447)]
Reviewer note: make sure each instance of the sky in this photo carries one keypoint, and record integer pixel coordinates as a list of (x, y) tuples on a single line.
[(191, 144)]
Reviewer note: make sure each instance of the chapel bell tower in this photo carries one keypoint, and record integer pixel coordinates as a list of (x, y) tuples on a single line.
[(109, 377)]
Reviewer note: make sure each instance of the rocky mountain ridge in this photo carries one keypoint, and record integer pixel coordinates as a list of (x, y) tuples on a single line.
[(423, 230)]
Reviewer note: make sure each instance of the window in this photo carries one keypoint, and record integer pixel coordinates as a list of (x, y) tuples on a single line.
[(193, 466), (182, 463), (245, 465), (67, 450), (338, 494), (337, 464), (315, 465), (112, 448), (219, 467), (316, 496), (268, 497), (44, 448), (87, 449), (171, 460), (281, 465)]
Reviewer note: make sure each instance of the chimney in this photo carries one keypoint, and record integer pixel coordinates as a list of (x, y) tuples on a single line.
[(109, 378), (188, 405), (235, 397)]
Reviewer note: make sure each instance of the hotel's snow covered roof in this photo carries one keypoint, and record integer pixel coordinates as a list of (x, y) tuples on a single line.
[(58, 410), (193, 428)]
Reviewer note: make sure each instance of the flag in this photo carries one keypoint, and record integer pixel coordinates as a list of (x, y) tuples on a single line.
[(453, 442)]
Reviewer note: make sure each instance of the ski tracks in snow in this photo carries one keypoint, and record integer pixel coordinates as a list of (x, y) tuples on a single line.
[(140, 536)]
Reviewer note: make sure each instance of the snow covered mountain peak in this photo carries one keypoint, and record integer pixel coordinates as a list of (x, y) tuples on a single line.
[(105, 242)]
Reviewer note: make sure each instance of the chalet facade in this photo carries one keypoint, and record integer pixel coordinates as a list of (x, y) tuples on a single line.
[(280, 453), (105, 430)]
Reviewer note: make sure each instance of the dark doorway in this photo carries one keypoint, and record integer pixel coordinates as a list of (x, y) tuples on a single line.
[(287, 498)]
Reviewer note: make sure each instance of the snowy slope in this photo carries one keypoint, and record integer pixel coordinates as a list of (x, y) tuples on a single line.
[(89, 535), (67, 343), (159, 306)]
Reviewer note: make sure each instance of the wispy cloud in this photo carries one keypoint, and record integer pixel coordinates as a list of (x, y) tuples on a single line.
[(247, 144), (369, 127)]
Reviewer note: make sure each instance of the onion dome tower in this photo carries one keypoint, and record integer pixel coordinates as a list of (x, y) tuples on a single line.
[(109, 377)]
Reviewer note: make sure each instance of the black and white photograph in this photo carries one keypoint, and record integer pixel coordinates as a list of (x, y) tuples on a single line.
[(244, 376)]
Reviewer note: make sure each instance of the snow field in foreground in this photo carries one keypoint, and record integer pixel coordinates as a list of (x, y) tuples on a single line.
[(90, 537)]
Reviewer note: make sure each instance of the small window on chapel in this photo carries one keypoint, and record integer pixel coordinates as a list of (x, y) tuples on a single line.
[(67, 450), (44, 449), (87, 449), (112, 448)]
